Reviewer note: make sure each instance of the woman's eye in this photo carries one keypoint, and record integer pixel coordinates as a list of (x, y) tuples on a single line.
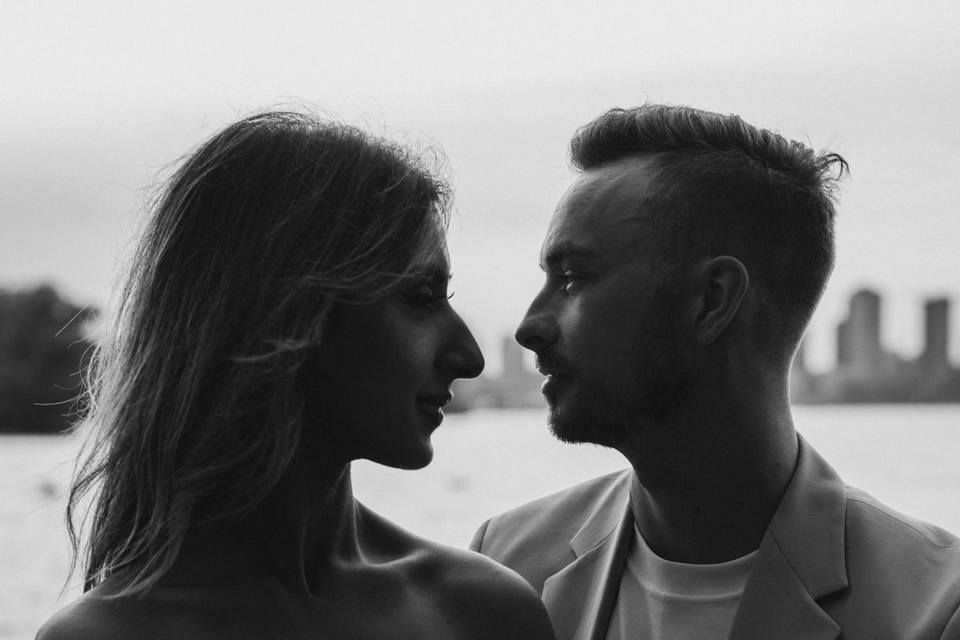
[(428, 294)]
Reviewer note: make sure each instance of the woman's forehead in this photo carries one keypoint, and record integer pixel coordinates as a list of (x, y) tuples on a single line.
[(434, 259)]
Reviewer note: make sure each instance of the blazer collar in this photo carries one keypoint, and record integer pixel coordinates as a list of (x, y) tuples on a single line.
[(608, 511), (580, 597), (809, 524), (801, 559)]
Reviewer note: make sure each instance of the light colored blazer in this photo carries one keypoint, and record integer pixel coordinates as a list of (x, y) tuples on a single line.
[(834, 562)]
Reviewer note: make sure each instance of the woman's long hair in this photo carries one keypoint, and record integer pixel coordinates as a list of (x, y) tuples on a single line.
[(193, 404)]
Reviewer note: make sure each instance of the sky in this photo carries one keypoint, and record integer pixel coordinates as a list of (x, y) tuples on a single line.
[(98, 99)]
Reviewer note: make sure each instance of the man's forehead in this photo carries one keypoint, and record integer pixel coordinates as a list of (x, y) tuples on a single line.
[(604, 205), (629, 176)]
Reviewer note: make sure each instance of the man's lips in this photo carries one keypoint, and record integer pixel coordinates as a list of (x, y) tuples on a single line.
[(553, 384), (557, 373)]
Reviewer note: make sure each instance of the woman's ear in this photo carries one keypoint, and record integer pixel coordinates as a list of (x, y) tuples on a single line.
[(723, 282)]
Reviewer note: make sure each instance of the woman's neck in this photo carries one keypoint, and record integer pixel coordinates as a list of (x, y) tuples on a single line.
[(309, 527), (305, 531)]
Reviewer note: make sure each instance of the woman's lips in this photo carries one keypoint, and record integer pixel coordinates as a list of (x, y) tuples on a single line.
[(438, 400), (431, 405)]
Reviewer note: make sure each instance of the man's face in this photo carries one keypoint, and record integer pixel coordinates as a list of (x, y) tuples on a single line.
[(603, 326)]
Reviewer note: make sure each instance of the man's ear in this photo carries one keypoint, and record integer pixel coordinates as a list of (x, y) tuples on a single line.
[(723, 283)]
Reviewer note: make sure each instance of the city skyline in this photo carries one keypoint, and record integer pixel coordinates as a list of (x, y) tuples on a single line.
[(865, 370), (89, 132), (868, 370)]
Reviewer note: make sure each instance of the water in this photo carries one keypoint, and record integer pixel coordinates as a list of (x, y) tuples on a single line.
[(486, 462)]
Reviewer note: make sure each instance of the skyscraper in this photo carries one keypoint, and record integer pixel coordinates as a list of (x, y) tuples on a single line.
[(866, 354), (844, 355), (936, 345)]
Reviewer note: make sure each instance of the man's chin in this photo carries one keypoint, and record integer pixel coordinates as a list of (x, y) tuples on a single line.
[(576, 428)]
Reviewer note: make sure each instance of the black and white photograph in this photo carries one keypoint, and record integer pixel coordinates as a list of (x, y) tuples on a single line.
[(479, 320)]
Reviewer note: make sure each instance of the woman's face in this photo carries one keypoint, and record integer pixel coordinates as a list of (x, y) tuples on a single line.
[(384, 371)]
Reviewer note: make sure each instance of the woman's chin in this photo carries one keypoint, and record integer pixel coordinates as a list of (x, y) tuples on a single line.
[(411, 458)]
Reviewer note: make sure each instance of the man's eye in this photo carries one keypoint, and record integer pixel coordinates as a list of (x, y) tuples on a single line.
[(569, 278)]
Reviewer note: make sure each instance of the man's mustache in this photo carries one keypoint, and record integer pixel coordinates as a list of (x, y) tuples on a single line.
[(553, 365)]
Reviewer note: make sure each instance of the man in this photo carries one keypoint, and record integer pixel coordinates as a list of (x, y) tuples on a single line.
[(682, 267)]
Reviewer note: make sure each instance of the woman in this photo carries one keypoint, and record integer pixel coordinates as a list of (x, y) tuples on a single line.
[(286, 313)]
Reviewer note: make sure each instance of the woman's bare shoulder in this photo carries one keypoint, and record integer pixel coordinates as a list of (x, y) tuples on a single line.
[(482, 598), (491, 600), (92, 617)]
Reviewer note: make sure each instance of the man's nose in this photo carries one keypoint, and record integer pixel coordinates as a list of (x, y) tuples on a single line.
[(538, 329)]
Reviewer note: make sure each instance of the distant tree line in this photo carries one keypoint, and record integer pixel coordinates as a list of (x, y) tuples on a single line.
[(44, 345)]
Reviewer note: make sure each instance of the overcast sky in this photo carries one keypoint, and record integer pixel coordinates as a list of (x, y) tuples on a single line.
[(98, 97)]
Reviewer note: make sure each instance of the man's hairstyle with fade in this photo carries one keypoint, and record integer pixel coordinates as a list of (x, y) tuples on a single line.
[(725, 187)]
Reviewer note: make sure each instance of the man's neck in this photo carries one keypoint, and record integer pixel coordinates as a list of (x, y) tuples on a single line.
[(708, 486)]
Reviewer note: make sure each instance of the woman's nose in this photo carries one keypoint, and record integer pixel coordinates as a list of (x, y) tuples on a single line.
[(462, 357)]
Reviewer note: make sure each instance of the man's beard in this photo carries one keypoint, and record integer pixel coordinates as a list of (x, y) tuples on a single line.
[(592, 414)]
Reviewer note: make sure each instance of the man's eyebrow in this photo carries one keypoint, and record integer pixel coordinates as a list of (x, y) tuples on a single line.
[(567, 250)]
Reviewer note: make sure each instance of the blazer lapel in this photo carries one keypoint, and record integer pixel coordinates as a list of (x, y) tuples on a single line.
[(581, 596), (775, 603), (801, 559)]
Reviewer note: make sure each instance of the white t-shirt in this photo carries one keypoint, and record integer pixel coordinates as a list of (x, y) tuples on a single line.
[(664, 600)]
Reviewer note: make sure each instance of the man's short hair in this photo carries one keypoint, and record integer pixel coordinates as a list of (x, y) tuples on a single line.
[(723, 186)]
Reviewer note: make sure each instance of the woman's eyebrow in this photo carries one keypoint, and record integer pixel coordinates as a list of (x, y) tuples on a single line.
[(436, 271)]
